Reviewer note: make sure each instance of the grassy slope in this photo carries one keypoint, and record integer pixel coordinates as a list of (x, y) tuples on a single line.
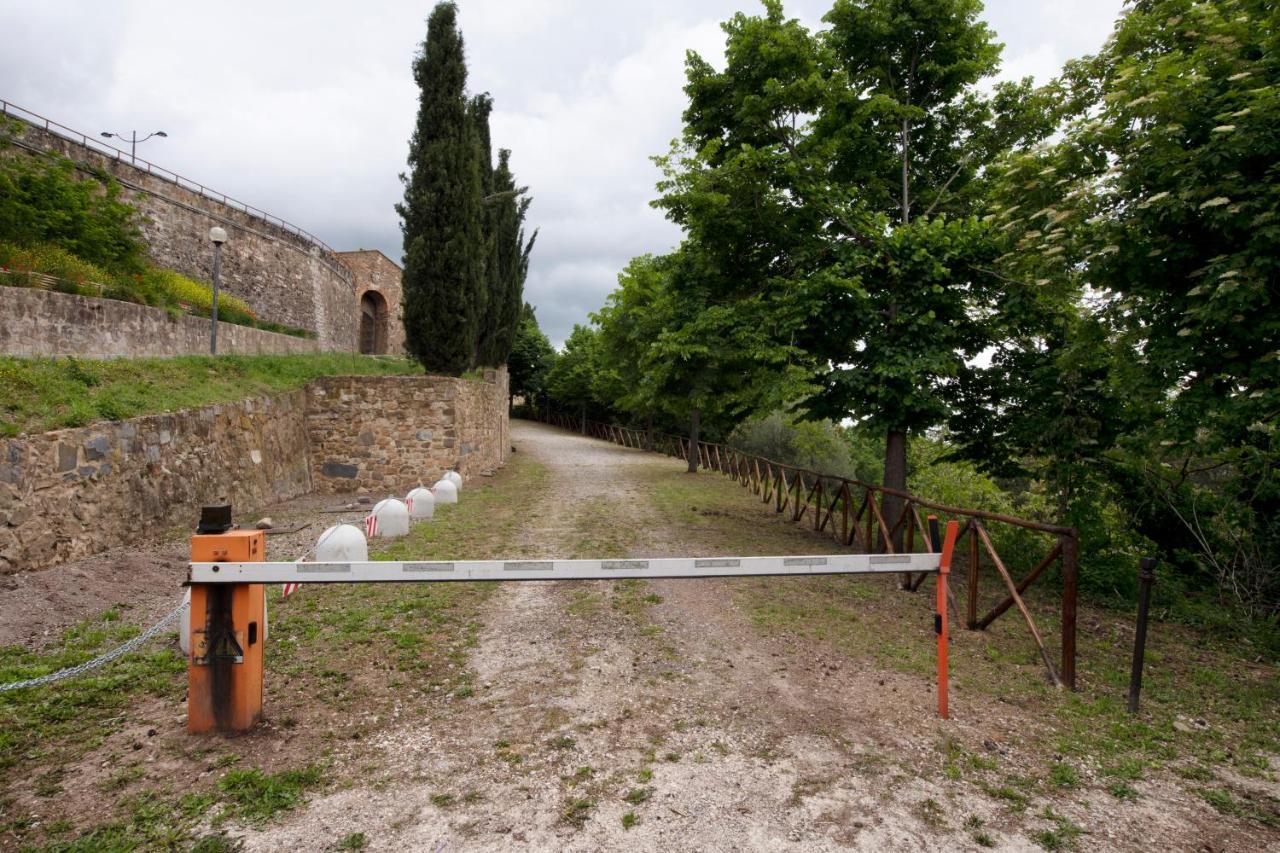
[(38, 394), (1210, 711)]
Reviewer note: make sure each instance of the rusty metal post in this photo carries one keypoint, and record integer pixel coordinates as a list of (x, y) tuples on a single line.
[(940, 619), (971, 605), (1146, 575), (1070, 582)]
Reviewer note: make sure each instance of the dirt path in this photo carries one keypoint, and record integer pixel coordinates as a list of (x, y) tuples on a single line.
[(653, 716)]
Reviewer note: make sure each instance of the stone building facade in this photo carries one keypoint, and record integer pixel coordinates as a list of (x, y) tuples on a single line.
[(377, 280), (285, 274)]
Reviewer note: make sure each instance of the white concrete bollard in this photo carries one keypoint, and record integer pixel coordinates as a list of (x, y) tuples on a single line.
[(390, 519), (446, 492), (421, 503), (453, 477), (342, 543)]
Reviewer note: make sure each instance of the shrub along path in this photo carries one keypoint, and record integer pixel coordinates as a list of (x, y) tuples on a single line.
[(777, 714)]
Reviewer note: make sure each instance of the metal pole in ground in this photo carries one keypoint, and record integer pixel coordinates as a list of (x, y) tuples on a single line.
[(1146, 575), (217, 236)]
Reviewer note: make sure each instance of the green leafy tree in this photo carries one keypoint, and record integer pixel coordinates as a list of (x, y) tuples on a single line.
[(832, 179), (444, 247), (910, 135), (630, 323), (532, 357), (490, 292), (571, 381), (44, 200), (1158, 210), (507, 206), (740, 181)]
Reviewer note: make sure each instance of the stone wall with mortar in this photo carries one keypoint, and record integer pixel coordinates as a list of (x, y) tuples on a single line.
[(41, 322), (76, 492), (385, 434), (285, 277), (376, 272)]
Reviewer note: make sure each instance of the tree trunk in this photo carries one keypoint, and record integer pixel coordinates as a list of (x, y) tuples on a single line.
[(906, 181), (695, 420), (895, 477), (584, 418), (648, 433)]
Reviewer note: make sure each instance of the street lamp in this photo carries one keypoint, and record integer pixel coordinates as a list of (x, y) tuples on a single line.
[(133, 140), (217, 236)]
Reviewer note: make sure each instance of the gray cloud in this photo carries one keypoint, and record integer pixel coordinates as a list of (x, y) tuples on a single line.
[(305, 109)]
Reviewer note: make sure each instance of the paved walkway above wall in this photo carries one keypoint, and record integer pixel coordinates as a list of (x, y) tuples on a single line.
[(43, 322)]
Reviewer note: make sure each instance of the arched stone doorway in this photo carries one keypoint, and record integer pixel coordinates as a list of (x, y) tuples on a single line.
[(373, 323)]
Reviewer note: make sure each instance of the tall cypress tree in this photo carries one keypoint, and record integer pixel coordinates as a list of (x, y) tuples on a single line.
[(440, 214), (486, 296), (510, 204)]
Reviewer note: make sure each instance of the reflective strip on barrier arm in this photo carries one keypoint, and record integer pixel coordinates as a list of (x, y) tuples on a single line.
[(515, 570)]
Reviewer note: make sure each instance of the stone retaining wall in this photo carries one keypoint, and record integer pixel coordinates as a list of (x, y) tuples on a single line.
[(73, 493), (386, 434), (41, 322)]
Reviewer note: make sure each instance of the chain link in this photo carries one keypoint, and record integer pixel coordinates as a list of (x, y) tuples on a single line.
[(119, 651)]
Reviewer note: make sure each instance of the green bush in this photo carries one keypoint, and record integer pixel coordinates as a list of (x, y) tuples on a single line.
[(158, 288), (815, 446), (54, 261), (44, 199), (197, 297)]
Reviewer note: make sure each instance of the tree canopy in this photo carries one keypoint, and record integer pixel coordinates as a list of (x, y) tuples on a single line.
[(465, 252)]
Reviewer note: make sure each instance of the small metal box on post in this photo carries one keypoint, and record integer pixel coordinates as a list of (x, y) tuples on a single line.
[(224, 670)]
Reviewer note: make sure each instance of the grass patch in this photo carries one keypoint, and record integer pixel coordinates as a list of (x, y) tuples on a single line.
[(1061, 836), (636, 796), (576, 812), (38, 394), (1207, 699), (258, 796), (56, 723)]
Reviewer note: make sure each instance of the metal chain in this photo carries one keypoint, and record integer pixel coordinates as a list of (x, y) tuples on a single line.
[(119, 651)]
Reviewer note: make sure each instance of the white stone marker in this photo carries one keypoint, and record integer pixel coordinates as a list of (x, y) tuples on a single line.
[(421, 503), (455, 478), (342, 543), (392, 518), (446, 492)]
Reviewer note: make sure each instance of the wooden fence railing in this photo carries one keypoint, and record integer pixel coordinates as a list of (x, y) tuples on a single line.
[(854, 513)]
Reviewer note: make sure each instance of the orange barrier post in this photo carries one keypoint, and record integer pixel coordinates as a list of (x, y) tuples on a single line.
[(940, 620), (224, 672)]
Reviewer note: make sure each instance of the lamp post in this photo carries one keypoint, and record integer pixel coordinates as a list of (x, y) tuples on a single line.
[(133, 140), (217, 236)]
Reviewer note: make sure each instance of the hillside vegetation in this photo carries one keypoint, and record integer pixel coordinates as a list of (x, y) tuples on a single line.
[(83, 235), (38, 394)]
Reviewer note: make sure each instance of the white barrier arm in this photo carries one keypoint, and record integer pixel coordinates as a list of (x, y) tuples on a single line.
[(517, 570)]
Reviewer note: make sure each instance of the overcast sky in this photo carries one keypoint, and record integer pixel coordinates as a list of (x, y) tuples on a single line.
[(304, 109)]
